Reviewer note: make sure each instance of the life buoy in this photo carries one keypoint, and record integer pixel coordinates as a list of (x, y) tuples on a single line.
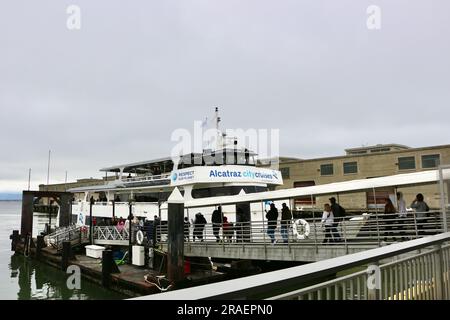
[(301, 229), (139, 237)]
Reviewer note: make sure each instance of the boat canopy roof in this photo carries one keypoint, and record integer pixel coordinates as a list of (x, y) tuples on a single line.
[(143, 167), (407, 179), (139, 167)]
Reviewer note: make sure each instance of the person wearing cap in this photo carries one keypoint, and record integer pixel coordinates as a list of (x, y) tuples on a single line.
[(338, 212)]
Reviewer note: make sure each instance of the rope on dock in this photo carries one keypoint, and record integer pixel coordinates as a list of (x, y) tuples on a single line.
[(158, 285)]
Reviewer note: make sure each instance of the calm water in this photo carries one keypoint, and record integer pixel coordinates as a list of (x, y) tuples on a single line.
[(22, 278)]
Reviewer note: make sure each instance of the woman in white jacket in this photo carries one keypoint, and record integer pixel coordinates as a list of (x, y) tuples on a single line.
[(327, 221)]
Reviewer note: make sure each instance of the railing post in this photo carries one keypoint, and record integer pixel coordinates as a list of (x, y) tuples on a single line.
[(130, 222), (264, 231), (315, 232), (91, 224), (376, 216), (442, 200), (345, 236), (315, 226), (415, 225), (438, 273)]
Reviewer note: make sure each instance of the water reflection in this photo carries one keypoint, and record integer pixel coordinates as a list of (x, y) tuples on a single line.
[(39, 281)]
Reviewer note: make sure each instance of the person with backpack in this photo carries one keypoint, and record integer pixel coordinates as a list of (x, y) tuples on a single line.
[(338, 214), (421, 211), (217, 220), (199, 226), (327, 221), (272, 216)]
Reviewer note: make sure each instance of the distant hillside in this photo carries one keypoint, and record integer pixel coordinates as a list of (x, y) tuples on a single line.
[(10, 196)]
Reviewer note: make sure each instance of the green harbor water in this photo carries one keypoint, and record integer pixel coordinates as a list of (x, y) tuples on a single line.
[(24, 278)]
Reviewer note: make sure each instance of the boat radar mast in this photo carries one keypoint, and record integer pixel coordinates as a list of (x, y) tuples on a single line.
[(222, 136)]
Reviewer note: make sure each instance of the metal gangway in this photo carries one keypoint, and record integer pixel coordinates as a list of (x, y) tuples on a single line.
[(77, 235), (417, 269)]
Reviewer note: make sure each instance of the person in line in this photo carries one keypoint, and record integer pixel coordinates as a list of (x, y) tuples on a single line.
[(228, 230), (199, 226), (187, 225), (338, 214), (272, 217), (217, 219), (421, 211), (402, 215), (239, 225), (389, 217), (286, 217), (327, 221)]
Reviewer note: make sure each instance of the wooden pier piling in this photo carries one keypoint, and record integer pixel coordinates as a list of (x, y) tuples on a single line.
[(15, 237), (108, 266), (40, 243), (66, 255), (175, 254)]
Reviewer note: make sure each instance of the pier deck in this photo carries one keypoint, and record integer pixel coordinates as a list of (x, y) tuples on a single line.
[(130, 281)]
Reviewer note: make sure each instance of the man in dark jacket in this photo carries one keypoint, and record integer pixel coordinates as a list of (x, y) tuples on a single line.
[(217, 219), (338, 214), (272, 216), (286, 217), (199, 226)]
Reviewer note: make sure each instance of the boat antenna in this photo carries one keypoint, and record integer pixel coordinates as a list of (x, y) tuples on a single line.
[(48, 168), (29, 178), (219, 135)]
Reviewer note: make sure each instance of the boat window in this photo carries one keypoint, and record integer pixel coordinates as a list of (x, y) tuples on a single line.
[(225, 191)]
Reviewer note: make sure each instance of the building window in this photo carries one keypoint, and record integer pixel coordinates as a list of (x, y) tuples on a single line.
[(326, 169), (379, 201), (304, 200), (285, 172), (406, 163), (350, 167), (430, 161)]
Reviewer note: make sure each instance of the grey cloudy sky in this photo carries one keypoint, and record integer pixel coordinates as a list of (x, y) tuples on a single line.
[(114, 91)]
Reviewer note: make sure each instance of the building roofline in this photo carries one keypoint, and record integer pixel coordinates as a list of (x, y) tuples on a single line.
[(378, 146), (368, 154)]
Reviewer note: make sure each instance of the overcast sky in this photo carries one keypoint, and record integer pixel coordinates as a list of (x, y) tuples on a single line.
[(114, 91)]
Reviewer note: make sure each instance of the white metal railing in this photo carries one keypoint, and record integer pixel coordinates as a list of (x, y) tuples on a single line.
[(111, 233), (370, 229), (422, 276)]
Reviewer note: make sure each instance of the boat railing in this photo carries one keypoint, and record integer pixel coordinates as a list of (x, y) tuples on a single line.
[(110, 233), (144, 178)]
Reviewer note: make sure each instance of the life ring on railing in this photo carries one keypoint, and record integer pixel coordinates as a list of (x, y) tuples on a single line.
[(301, 229), (139, 237)]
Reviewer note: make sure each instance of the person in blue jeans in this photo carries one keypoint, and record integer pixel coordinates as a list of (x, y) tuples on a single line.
[(286, 217), (272, 217)]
